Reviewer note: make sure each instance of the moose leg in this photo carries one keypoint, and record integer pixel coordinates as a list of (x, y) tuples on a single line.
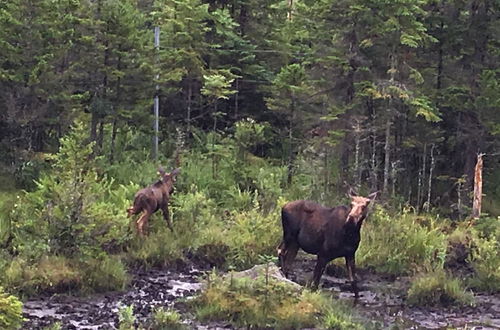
[(166, 216), (288, 254), (318, 271), (351, 270), (142, 221), (281, 254)]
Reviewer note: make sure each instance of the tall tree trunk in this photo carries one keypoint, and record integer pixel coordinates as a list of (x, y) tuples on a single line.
[(373, 156), (290, 142), (236, 101), (429, 187), (114, 131), (189, 104), (478, 188), (421, 177), (387, 151)]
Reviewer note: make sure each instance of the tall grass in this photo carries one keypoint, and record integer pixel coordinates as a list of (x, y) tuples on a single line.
[(401, 243)]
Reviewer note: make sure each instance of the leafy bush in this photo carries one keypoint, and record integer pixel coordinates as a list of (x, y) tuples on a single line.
[(251, 234), (126, 318), (401, 244), (48, 274), (438, 288), (485, 260), (167, 319), (106, 273), (11, 311)]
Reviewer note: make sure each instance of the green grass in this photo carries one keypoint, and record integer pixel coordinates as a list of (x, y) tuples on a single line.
[(270, 303), (438, 288), (401, 243)]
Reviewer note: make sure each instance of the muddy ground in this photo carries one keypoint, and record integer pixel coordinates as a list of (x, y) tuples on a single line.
[(381, 301)]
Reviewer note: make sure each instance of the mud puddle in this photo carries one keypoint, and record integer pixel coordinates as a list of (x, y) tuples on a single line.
[(148, 290), (382, 300)]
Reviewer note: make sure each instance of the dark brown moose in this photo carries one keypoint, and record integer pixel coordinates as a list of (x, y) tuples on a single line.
[(154, 198), (329, 233)]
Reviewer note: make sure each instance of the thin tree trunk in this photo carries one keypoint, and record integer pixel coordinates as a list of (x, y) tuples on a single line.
[(421, 176), (189, 104), (478, 188), (236, 101), (429, 188), (373, 157), (357, 148), (290, 141), (387, 151), (100, 136), (113, 140)]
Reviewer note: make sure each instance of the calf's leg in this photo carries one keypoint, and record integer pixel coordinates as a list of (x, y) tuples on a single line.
[(166, 216), (351, 270), (142, 221)]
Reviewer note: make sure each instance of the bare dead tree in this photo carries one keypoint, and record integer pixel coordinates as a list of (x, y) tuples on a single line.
[(478, 188)]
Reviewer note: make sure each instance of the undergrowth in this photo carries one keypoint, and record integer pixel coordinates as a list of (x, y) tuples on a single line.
[(265, 302), (438, 288)]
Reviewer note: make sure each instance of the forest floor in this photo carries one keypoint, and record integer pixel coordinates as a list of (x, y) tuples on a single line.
[(381, 299)]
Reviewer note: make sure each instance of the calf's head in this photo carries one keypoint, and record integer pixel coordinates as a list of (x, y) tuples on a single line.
[(168, 179), (359, 207)]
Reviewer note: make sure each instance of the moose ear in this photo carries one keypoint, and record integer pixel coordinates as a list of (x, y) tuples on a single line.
[(373, 195), (352, 193), (161, 171), (175, 172)]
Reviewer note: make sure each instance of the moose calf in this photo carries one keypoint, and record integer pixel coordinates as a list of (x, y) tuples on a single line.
[(329, 233), (153, 198)]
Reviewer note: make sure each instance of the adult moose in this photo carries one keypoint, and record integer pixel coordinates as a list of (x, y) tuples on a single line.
[(329, 233), (153, 198)]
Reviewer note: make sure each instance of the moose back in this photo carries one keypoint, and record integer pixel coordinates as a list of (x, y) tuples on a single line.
[(153, 198)]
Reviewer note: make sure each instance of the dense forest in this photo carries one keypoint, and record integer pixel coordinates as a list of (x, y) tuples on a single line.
[(259, 103)]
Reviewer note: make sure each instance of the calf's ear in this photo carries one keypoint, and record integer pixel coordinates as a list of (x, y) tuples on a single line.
[(161, 171), (372, 196)]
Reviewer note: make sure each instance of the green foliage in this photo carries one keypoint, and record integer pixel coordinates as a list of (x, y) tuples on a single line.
[(402, 243), (438, 288), (48, 274), (250, 234), (11, 311), (167, 319), (126, 318), (264, 302), (486, 263), (54, 326), (106, 273)]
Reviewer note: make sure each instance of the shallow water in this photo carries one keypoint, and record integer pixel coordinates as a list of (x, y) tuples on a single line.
[(381, 300)]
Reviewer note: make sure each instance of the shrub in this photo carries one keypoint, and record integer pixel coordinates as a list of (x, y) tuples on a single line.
[(126, 318), (485, 260), (160, 248), (251, 234), (11, 311), (401, 244), (166, 319), (49, 274), (261, 302), (106, 273), (438, 288)]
